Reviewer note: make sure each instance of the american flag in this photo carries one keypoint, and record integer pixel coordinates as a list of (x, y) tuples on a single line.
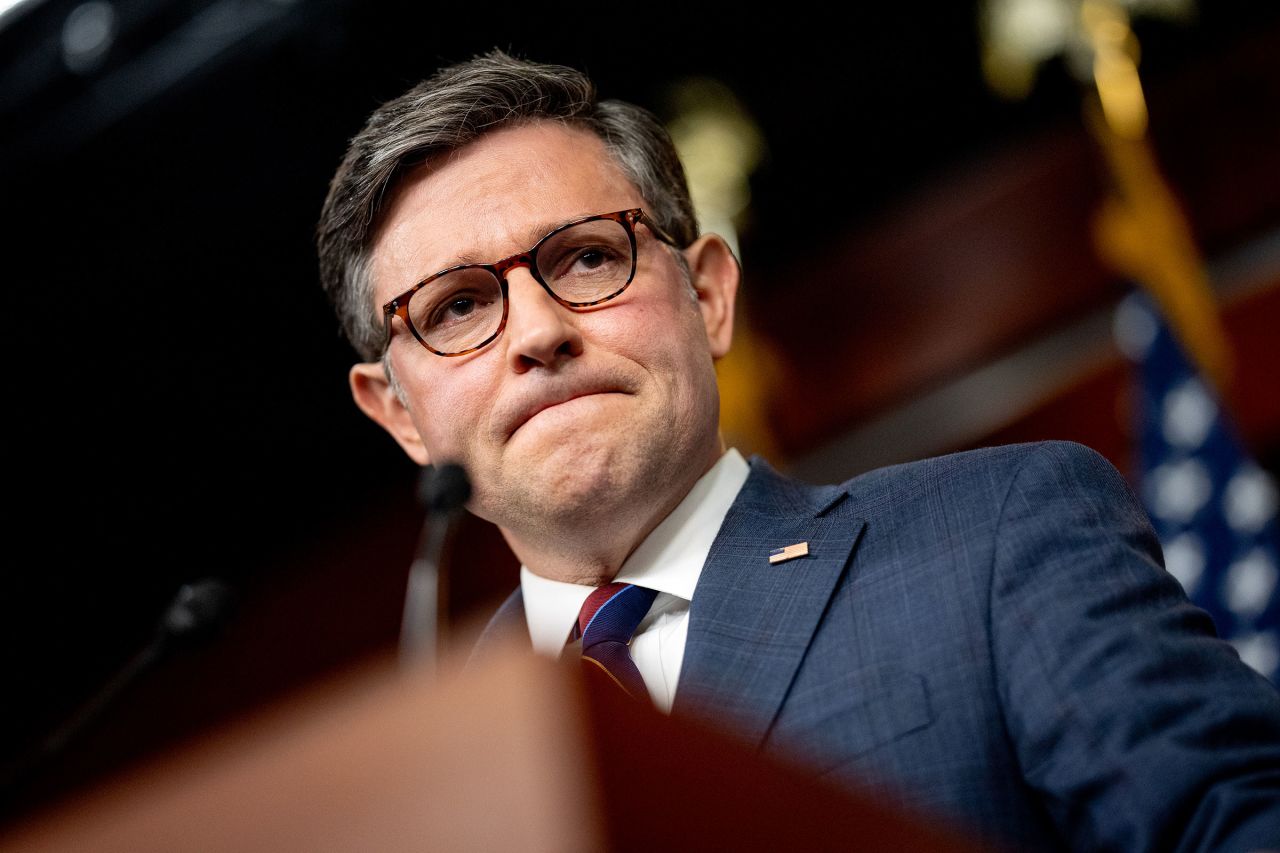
[(1213, 507)]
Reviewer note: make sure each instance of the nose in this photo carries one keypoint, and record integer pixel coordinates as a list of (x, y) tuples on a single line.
[(540, 331)]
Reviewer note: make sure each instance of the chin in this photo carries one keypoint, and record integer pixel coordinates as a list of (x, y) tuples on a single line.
[(578, 483)]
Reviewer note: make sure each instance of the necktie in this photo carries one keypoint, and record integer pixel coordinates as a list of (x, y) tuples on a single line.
[(606, 622)]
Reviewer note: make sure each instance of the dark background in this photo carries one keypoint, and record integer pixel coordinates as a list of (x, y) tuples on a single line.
[(178, 405)]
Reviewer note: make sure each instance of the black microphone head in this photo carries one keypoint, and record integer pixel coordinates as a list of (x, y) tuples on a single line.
[(444, 488), (197, 610)]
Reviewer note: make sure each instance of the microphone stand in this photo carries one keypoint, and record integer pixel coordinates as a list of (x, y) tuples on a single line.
[(195, 613), (443, 490)]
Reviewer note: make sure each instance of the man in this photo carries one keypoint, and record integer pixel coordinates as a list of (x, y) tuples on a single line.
[(987, 636)]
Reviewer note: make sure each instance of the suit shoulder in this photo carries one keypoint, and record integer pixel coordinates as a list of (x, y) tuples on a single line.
[(1003, 458), (987, 469), (982, 476)]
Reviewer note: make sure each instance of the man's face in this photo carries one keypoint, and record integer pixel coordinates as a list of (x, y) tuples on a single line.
[(570, 416)]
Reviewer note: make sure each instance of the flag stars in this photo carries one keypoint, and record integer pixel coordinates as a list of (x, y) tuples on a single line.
[(1214, 508), (1134, 328), (1177, 490), (1189, 414), (1184, 558), (1249, 501), (1260, 651), (1249, 583)]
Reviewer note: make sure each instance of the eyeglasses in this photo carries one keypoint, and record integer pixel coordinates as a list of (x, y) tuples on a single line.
[(582, 263)]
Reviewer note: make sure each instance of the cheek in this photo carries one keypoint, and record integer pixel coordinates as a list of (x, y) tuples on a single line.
[(669, 343), (654, 330), (446, 408)]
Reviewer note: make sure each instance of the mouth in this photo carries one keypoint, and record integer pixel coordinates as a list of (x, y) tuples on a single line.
[(541, 404)]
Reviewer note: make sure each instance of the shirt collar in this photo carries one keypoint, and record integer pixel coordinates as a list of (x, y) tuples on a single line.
[(670, 558)]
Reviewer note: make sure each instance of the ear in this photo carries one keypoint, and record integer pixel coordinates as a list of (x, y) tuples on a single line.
[(372, 392), (716, 274)]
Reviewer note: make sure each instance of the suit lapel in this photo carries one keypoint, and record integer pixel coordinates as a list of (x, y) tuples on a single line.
[(506, 624), (751, 622)]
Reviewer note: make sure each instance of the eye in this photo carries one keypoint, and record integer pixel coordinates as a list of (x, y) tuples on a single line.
[(457, 308), (460, 307), (588, 261), (591, 259), (456, 300)]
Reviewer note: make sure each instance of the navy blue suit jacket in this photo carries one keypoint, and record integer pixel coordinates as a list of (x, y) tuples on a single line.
[(989, 637)]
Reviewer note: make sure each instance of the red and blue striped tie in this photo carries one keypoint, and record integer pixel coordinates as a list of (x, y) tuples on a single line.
[(606, 622)]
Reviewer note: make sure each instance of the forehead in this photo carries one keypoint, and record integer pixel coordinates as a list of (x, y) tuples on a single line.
[(491, 198)]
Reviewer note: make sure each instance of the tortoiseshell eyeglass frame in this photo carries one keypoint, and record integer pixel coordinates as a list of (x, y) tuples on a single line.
[(399, 307)]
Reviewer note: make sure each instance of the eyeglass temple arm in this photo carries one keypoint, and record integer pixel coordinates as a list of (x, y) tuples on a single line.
[(658, 230), (388, 311)]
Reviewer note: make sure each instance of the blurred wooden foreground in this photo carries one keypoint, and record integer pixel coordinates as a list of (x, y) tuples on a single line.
[(517, 754)]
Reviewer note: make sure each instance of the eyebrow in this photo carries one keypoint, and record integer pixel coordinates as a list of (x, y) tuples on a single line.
[(531, 235)]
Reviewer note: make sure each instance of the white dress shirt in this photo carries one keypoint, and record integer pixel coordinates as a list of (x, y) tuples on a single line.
[(669, 560)]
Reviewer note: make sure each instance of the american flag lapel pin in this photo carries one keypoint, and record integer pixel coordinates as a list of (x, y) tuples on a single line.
[(791, 552)]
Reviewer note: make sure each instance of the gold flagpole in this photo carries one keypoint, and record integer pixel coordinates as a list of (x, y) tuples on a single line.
[(1141, 229)]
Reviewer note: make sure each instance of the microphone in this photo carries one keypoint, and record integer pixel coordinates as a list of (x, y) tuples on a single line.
[(197, 611), (195, 614), (442, 490)]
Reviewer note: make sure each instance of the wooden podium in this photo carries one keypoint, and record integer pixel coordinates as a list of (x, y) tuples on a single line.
[(518, 754)]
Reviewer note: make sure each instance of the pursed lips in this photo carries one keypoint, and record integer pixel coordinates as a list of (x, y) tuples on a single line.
[(540, 404)]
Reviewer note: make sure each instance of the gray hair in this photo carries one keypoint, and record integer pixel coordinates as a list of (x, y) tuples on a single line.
[(456, 106)]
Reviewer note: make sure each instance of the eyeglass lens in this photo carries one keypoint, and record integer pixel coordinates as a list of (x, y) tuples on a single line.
[(583, 263)]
